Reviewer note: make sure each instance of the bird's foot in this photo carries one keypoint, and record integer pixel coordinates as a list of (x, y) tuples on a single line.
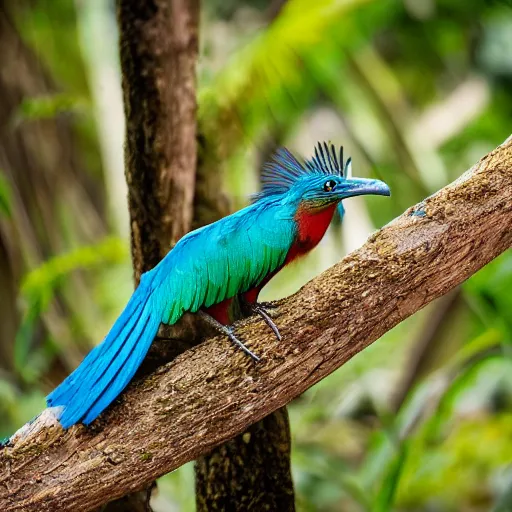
[(260, 308), (228, 331)]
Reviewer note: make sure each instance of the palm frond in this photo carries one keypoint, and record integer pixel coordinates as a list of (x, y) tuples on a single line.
[(265, 80)]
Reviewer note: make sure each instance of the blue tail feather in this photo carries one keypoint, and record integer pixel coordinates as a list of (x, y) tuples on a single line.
[(88, 368), (91, 385), (110, 366), (127, 363)]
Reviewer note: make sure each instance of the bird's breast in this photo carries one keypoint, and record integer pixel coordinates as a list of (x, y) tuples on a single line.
[(311, 227)]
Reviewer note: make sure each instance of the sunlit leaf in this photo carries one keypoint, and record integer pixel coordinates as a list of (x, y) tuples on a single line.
[(265, 80), (39, 285), (48, 107), (5, 197)]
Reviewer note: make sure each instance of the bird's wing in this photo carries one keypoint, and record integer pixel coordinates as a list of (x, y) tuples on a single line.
[(223, 259)]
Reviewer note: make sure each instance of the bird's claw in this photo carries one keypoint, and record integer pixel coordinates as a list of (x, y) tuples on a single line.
[(228, 331), (240, 345), (260, 309)]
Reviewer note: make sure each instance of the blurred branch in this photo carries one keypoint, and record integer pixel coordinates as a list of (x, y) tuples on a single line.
[(404, 153), (424, 348), (444, 120), (212, 393), (96, 29)]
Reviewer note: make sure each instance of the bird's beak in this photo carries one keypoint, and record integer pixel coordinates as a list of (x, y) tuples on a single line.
[(360, 186)]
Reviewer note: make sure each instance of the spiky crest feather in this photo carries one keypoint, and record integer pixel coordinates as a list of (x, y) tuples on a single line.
[(284, 169)]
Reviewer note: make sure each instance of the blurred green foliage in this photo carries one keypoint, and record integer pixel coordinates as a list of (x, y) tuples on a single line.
[(49, 107), (416, 91), (38, 289), (5, 197)]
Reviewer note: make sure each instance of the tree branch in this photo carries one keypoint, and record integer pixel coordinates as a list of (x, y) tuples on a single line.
[(212, 392)]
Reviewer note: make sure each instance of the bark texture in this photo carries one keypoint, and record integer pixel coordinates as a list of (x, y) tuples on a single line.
[(250, 472), (159, 45), (158, 48), (212, 392)]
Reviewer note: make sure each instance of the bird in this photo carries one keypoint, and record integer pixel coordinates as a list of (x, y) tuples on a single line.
[(211, 269)]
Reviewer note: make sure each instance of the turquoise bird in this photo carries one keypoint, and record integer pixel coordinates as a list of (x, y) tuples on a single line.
[(215, 267)]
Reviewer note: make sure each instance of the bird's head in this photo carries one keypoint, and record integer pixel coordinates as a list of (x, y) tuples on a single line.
[(317, 183)]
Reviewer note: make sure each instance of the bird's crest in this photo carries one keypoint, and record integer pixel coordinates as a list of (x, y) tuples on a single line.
[(284, 169)]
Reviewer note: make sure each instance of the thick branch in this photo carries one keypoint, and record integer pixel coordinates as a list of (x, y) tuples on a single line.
[(212, 392)]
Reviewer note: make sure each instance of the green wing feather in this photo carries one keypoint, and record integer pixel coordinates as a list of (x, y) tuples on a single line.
[(223, 259)]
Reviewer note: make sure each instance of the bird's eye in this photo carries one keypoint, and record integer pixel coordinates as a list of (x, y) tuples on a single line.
[(329, 185)]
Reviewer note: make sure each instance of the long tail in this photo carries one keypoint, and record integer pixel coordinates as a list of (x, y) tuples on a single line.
[(110, 366)]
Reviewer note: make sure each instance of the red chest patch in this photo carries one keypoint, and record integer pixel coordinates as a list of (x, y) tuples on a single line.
[(312, 226)]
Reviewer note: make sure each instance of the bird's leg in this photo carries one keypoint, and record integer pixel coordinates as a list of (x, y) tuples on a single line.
[(228, 331), (259, 308)]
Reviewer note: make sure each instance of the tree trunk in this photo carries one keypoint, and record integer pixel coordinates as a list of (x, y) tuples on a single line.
[(158, 44), (251, 472), (158, 47), (158, 56)]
